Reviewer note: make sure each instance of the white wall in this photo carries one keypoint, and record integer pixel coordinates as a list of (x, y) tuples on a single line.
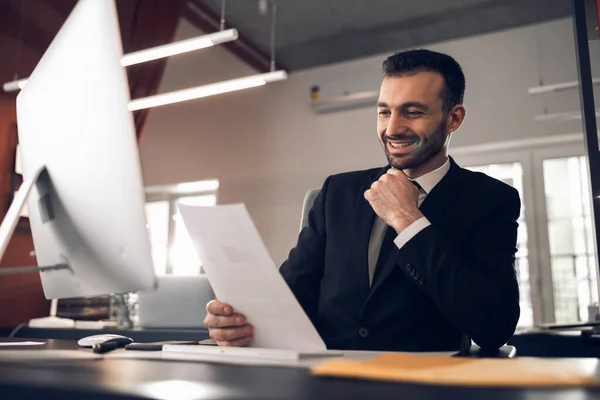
[(267, 147)]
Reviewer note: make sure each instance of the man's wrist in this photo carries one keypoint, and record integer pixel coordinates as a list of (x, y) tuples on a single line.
[(404, 221)]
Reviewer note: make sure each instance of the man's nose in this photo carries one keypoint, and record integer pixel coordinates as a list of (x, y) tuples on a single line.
[(397, 125)]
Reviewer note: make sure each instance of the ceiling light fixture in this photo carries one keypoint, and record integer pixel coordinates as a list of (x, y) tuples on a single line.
[(557, 87), (156, 53), (15, 85), (562, 116), (219, 87), (207, 90), (182, 46)]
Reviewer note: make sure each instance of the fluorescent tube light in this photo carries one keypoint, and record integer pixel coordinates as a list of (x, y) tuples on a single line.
[(557, 87), (15, 85), (562, 116), (180, 47), (184, 188), (155, 53), (200, 186), (206, 90)]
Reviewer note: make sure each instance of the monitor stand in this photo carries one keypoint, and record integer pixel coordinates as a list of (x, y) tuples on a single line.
[(52, 321), (7, 229), (11, 220)]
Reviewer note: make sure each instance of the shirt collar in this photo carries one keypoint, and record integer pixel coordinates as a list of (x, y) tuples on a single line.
[(430, 179)]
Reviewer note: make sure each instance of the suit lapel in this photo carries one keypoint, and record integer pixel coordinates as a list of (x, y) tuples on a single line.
[(433, 207), (443, 193), (365, 216)]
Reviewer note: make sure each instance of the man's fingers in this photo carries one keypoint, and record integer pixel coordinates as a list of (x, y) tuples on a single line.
[(222, 321), (217, 308), (229, 334), (397, 173), (239, 342), (385, 177)]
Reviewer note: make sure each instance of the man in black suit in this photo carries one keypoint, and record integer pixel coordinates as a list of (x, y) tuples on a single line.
[(416, 256)]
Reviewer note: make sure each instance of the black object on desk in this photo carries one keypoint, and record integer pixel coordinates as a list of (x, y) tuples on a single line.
[(101, 348), (556, 344), (103, 343)]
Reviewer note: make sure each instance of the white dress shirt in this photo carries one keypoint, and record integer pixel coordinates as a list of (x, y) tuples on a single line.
[(427, 183)]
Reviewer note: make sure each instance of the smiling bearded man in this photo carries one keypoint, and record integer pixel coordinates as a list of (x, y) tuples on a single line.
[(416, 256)]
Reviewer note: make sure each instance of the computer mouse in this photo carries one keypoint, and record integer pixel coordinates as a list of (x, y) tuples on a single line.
[(90, 341)]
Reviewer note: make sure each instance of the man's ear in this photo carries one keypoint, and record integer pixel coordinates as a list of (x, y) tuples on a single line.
[(456, 116)]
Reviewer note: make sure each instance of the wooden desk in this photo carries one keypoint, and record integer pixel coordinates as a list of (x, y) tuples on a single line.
[(106, 378)]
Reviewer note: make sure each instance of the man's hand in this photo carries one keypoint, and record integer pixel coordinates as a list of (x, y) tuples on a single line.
[(395, 199), (225, 327)]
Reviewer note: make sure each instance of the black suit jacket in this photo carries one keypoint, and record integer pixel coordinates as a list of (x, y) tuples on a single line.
[(454, 278)]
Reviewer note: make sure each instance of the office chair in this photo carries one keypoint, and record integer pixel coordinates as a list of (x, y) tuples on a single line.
[(467, 349), (309, 199)]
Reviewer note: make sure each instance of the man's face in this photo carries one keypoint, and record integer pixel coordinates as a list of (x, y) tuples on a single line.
[(411, 123)]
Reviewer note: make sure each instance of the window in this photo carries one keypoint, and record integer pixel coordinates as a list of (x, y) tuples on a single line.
[(570, 237), (512, 174), (556, 260), (172, 249), (183, 256)]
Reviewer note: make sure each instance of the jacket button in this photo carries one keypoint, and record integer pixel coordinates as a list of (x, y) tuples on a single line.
[(421, 281), (416, 275), (412, 272), (363, 332), (408, 268)]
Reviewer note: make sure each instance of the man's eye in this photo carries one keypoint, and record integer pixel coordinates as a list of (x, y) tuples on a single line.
[(414, 114), (383, 112)]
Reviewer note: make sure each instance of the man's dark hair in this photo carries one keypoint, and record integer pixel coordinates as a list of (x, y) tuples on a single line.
[(413, 61)]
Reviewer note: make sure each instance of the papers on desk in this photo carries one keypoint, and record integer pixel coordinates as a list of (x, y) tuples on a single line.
[(242, 274), (517, 372), (10, 344)]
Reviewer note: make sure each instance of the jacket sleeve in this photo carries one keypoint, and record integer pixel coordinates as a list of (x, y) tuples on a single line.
[(476, 289), (303, 270)]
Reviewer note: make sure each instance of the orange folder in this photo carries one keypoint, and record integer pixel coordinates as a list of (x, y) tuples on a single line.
[(516, 372)]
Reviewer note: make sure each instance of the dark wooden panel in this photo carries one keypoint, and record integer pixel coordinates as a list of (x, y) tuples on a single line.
[(21, 296), (29, 34)]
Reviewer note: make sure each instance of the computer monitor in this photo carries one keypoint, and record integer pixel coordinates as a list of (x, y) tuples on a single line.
[(79, 153)]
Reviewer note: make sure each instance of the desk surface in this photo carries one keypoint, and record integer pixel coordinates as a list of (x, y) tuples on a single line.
[(134, 379), (137, 334)]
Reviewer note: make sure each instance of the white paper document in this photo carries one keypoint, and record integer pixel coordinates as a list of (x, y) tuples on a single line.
[(242, 274)]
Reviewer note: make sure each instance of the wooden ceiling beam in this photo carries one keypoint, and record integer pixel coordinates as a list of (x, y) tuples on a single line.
[(29, 34), (62, 7)]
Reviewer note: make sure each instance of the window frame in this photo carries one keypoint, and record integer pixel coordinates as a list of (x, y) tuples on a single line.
[(524, 158), (539, 155), (531, 153)]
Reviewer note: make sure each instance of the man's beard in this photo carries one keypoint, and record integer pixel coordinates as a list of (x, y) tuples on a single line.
[(427, 147)]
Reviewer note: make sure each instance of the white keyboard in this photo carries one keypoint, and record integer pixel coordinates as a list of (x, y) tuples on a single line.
[(250, 352)]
